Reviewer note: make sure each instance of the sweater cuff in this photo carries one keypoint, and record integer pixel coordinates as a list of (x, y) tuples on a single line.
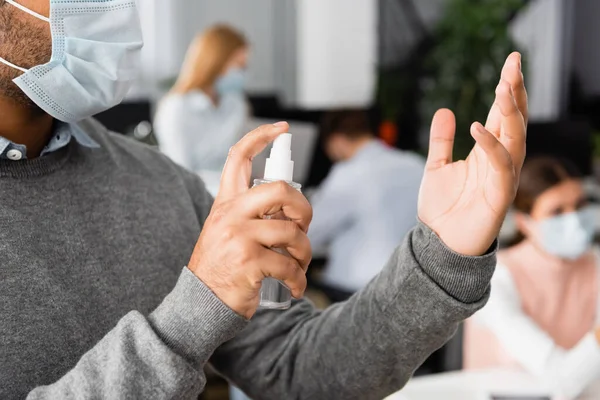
[(193, 321), (465, 278)]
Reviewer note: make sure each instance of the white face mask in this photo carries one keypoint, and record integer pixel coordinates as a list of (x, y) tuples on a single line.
[(96, 48), (232, 82), (568, 236)]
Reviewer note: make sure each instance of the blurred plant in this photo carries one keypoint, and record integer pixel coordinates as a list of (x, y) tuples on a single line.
[(596, 141), (393, 82), (472, 42), (398, 92)]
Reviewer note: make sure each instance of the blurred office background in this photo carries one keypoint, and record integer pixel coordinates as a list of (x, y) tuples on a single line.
[(309, 56), (401, 59)]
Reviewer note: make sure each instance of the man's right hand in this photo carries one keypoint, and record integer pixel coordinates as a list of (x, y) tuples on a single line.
[(234, 253)]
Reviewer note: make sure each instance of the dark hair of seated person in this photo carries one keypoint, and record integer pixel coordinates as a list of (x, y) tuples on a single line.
[(351, 123)]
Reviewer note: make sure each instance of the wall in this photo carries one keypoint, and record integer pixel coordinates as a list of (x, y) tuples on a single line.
[(316, 54), (321, 54), (399, 35), (540, 31), (169, 27), (254, 18), (586, 45), (561, 37), (337, 52)]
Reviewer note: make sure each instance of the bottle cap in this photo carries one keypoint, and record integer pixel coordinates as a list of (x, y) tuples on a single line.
[(279, 166)]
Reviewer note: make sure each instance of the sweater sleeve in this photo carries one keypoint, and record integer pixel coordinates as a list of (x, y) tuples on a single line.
[(566, 372), (369, 346), (158, 357)]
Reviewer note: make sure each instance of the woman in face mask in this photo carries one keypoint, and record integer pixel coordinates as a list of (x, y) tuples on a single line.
[(206, 111), (543, 312)]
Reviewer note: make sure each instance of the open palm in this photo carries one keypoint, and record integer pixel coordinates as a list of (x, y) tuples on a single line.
[(465, 202)]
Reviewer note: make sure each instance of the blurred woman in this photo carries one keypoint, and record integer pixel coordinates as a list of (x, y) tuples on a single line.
[(206, 111), (543, 310)]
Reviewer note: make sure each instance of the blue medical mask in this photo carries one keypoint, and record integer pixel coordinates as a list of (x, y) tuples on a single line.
[(569, 235), (232, 82), (96, 48)]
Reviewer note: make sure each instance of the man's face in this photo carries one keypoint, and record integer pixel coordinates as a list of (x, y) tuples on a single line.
[(24, 41)]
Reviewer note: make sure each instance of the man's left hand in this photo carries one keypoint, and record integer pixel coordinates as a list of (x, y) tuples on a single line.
[(465, 202)]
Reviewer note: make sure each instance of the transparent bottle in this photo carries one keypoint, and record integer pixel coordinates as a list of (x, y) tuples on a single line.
[(275, 294)]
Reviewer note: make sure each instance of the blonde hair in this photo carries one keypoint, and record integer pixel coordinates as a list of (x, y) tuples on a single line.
[(207, 56)]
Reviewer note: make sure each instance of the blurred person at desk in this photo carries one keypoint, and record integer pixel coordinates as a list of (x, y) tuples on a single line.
[(366, 205), (206, 111), (543, 313)]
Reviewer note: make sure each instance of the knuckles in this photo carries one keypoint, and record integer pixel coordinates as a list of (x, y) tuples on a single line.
[(309, 211), (233, 150), (234, 258), (219, 213), (228, 234), (243, 253), (282, 189), (291, 230)]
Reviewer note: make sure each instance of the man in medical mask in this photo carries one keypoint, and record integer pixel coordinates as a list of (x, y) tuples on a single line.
[(98, 294)]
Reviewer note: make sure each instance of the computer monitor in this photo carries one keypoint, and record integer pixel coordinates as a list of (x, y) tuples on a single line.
[(125, 117)]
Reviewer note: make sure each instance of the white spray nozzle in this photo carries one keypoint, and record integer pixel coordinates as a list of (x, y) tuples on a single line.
[(280, 166)]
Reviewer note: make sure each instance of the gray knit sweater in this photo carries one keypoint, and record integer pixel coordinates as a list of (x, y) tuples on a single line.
[(95, 301)]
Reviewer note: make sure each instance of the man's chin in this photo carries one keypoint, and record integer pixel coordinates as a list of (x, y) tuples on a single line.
[(12, 93)]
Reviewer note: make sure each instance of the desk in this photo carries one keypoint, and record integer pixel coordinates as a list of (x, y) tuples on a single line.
[(478, 385)]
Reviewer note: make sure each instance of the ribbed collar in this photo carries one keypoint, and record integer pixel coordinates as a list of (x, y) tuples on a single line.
[(39, 166), (55, 157), (62, 135)]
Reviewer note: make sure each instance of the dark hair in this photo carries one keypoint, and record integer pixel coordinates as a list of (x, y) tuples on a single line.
[(538, 175), (353, 124)]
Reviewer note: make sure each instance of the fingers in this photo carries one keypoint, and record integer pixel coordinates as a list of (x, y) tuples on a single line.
[(283, 268), (238, 168), (441, 141), (513, 135), (511, 98), (512, 73), (283, 235), (273, 197), (497, 154)]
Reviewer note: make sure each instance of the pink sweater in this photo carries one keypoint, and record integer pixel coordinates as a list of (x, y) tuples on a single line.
[(541, 309)]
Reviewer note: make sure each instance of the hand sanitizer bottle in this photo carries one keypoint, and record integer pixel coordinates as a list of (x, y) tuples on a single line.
[(279, 167)]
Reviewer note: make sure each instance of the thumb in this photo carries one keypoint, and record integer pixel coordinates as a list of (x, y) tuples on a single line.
[(441, 139), (238, 168)]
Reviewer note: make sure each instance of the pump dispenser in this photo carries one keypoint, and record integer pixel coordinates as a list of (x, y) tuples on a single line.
[(279, 167)]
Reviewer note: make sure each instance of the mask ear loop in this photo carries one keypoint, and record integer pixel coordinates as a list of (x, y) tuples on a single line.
[(3, 61), (27, 10)]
